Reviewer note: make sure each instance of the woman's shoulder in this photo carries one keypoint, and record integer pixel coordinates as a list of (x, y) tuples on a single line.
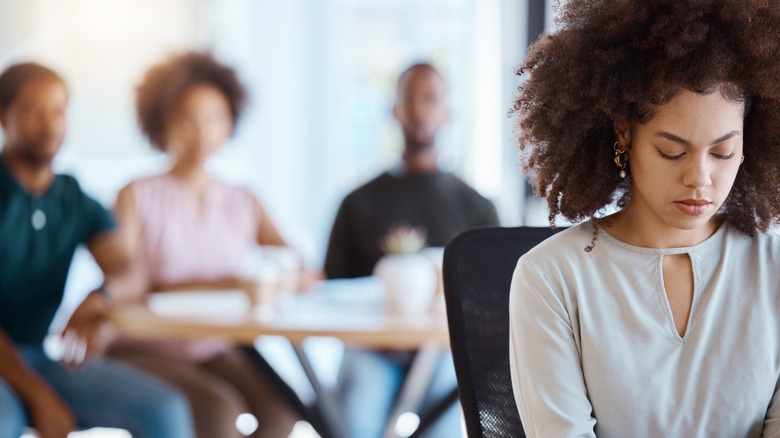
[(765, 243), (560, 253), (151, 182), (149, 192), (574, 240), (232, 193), (768, 237)]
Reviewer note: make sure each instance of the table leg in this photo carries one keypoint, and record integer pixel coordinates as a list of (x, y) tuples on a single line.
[(326, 416), (415, 385), (307, 413), (327, 403), (430, 417)]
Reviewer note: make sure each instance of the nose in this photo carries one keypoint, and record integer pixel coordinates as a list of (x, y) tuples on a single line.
[(414, 112), (697, 173)]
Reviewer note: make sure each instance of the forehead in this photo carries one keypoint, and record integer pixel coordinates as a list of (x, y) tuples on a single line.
[(421, 80), (41, 89), (697, 113), (201, 93)]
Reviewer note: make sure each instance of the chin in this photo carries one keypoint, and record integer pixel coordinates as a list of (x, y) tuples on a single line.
[(40, 157), (692, 223), (419, 143)]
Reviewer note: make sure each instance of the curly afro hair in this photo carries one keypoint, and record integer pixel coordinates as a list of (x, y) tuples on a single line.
[(165, 84), (619, 59)]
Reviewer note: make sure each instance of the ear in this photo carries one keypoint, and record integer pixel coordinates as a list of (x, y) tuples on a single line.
[(622, 131), (396, 110), (447, 114)]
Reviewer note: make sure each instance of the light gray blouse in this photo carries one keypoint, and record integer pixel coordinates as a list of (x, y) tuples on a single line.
[(594, 350)]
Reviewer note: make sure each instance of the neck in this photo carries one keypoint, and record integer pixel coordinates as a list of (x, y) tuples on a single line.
[(420, 159), (34, 177), (636, 228), (194, 176)]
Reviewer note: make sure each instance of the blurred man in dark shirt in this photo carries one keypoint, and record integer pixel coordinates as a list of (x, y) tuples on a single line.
[(416, 194)]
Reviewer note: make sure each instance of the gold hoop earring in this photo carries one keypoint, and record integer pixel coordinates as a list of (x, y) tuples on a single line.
[(621, 158)]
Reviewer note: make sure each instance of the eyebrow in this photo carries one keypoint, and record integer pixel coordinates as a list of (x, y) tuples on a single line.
[(677, 139)]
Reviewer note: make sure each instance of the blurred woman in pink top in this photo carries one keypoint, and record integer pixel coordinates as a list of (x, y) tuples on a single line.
[(187, 229)]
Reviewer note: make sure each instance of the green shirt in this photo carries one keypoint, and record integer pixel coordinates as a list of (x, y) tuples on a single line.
[(36, 249)]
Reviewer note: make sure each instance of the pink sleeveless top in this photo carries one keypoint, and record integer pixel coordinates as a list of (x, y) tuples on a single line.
[(183, 242)]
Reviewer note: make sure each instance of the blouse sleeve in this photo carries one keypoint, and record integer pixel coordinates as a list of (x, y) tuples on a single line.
[(545, 362)]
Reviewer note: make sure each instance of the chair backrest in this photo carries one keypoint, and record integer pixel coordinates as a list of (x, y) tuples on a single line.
[(478, 268)]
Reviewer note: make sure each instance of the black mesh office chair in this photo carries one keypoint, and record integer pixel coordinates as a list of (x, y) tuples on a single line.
[(478, 267)]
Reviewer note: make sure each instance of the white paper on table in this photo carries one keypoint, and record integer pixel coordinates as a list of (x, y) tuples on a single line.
[(199, 303)]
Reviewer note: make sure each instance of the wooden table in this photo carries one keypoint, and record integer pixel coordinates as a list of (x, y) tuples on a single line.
[(349, 310)]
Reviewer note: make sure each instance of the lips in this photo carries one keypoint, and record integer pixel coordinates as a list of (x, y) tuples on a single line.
[(693, 207)]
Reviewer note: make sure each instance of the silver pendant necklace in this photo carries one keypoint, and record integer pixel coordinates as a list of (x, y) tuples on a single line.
[(38, 218)]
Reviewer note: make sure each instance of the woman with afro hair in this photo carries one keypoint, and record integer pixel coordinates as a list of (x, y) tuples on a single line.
[(186, 229), (663, 318)]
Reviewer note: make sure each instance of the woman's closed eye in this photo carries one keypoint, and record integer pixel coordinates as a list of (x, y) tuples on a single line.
[(670, 156), (680, 155), (724, 157)]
